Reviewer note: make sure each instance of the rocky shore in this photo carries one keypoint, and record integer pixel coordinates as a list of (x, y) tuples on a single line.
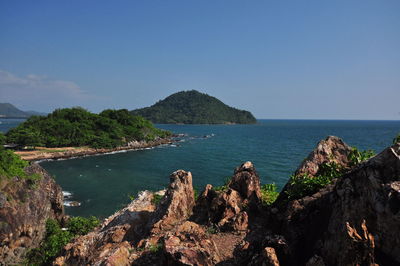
[(73, 152), (352, 221)]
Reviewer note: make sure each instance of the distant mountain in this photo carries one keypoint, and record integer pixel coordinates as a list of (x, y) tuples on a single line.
[(8, 110), (193, 107), (30, 113)]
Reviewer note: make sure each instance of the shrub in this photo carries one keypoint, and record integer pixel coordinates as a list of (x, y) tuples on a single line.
[(56, 238), (269, 194), (81, 226), (355, 157), (156, 199), (303, 185)]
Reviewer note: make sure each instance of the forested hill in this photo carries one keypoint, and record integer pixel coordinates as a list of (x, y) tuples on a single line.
[(9, 110), (78, 127), (193, 107)]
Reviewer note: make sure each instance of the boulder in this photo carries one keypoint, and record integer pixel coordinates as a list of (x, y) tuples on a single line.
[(189, 244)]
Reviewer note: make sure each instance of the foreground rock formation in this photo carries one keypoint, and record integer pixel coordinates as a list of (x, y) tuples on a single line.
[(25, 205), (353, 221)]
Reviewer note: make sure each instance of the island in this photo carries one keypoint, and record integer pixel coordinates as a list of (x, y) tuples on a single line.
[(193, 107), (7, 110), (72, 132)]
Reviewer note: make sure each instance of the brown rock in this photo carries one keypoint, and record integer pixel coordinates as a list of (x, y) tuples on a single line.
[(270, 258), (332, 149), (177, 203), (189, 245), (246, 181), (25, 207), (352, 221)]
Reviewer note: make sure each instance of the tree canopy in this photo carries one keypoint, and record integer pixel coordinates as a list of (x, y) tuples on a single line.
[(79, 127), (193, 107)]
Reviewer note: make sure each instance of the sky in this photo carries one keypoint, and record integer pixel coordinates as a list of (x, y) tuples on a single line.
[(311, 59)]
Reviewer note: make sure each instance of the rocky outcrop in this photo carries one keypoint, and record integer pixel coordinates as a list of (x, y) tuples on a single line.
[(228, 209), (332, 149), (136, 233), (25, 205), (351, 222)]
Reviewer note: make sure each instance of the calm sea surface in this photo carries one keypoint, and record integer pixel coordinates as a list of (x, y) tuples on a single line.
[(276, 147)]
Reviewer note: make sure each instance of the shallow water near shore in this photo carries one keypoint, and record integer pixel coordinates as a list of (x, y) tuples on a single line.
[(103, 184)]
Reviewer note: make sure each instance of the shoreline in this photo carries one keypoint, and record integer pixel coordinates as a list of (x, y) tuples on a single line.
[(47, 154)]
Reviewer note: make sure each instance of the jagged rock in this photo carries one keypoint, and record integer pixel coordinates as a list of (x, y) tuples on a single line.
[(127, 236), (359, 223), (23, 213), (226, 211), (270, 258), (113, 238), (189, 245), (246, 181), (177, 204), (332, 149), (202, 210), (328, 150), (227, 208)]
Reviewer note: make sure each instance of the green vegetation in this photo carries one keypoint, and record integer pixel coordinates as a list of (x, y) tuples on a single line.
[(56, 238), (269, 194), (156, 199), (355, 157), (155, 248), (11, 165), (193, 107), (224, 187), (303, 185), (396, 139), (78, 127)]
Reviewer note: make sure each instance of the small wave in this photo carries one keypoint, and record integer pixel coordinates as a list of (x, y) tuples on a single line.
[(72, 203), (67, 194)]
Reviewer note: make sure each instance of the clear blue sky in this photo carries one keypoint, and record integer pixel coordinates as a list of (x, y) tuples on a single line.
[(279, 59)]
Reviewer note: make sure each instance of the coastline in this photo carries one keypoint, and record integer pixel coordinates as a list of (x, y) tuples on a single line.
[(75, 152)]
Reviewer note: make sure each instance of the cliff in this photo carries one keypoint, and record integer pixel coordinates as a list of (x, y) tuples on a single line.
[(193, 107), (351, 221), (25, 205)]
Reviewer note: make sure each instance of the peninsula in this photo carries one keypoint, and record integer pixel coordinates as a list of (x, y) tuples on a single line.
[(193, 107)]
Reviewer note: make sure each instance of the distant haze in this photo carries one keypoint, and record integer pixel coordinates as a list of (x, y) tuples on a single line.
[(278, 59)]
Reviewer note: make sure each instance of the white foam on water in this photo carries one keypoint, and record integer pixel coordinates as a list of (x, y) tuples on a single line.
[(67, 194), (72, 203)]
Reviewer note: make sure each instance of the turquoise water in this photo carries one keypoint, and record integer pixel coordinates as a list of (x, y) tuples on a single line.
[(276, 147)]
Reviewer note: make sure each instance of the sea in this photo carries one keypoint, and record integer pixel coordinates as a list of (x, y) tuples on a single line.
[(104, 184)]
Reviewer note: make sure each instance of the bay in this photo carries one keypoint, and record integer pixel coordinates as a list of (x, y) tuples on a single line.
[(104, 184)]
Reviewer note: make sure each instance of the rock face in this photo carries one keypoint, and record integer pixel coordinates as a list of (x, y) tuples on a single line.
[(166, 234), (24, 208), (353, 221), (229, 209), (332, 149)]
